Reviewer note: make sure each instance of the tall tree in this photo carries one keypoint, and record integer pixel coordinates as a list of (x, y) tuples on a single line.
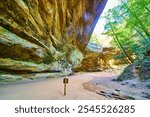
[(130, 26)]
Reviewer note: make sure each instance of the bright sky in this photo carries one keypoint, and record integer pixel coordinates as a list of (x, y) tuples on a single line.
[(100, 24)]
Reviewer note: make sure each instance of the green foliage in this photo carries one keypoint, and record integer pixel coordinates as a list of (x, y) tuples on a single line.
[(128, 23)]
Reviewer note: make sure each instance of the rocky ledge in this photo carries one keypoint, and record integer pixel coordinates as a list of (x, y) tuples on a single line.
[(45, 35)]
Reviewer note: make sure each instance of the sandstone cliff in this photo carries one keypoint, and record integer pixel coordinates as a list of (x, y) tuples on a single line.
[(97, 61), (45, 35)]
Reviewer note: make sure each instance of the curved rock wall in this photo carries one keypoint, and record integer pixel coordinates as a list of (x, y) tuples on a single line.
[(45, 32)]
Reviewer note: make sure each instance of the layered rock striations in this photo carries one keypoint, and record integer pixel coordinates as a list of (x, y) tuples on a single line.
[(98, 58), (45, 35)]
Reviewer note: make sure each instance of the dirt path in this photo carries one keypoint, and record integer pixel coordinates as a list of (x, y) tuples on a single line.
[(52, 88)]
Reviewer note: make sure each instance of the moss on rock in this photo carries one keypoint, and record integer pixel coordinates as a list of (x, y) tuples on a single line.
[(17, 48), (45, 35), (140, 69), (127, 74), (145, 69), (27, 67)]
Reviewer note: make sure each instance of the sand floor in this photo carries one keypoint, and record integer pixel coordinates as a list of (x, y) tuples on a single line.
[(82, 86), (52, 88)]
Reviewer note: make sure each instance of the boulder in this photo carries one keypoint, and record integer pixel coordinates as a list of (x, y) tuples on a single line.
[(139, 69), (145, 69)]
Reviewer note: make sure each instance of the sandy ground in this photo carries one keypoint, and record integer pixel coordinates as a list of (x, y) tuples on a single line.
[(82, 86), (128, 89), (52, 88)]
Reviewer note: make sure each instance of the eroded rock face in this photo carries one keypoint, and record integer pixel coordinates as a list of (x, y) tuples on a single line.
[(98, 60), (139, 69), (46, 31)]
